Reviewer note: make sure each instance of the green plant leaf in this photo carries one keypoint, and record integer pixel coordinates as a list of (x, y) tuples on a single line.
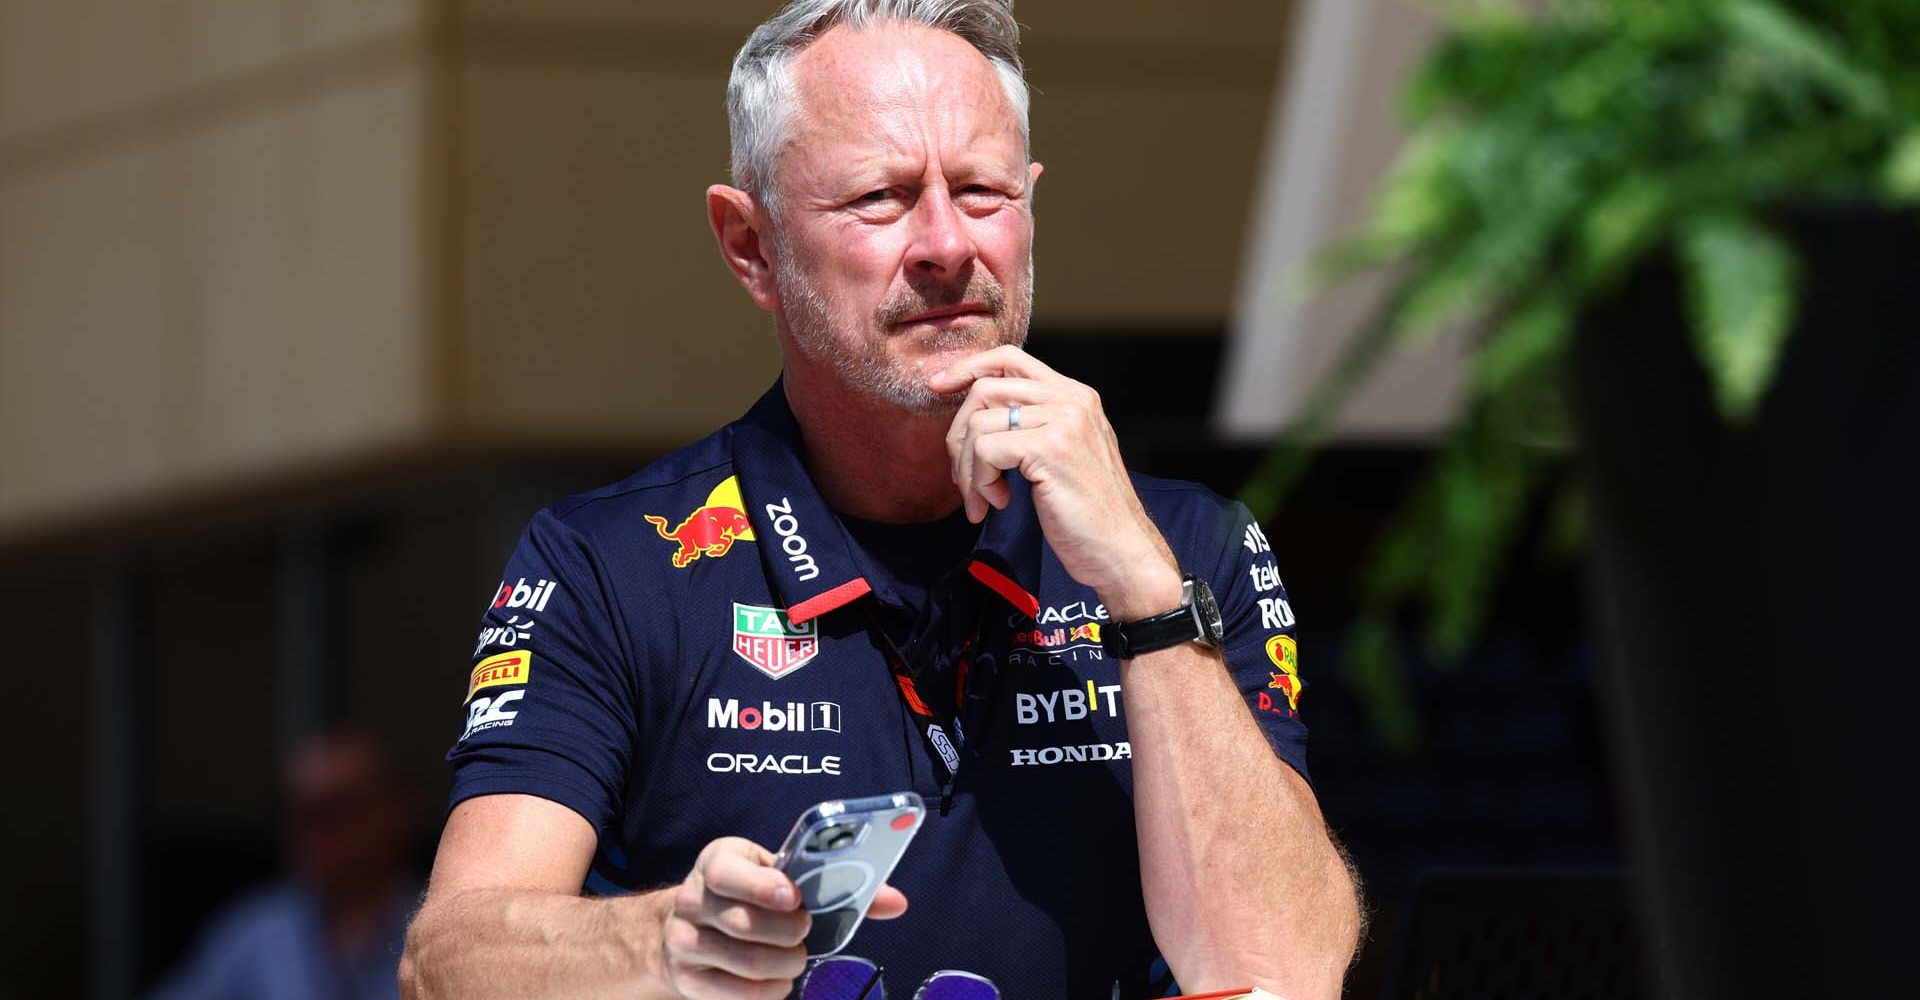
[(1741, 290), (1417, 202), (1619, 225), (1482, 485), (1561, 143), (1789, 41), (1902, 176), (1373, 668), (1521, 345)]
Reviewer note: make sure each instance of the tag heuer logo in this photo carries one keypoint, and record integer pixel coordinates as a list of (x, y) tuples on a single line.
[(775, 646)]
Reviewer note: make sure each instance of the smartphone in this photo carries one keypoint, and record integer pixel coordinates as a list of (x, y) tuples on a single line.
[(840, 853)]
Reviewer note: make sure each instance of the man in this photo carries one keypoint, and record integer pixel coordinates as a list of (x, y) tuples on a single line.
[(334, 929), (904, 569)]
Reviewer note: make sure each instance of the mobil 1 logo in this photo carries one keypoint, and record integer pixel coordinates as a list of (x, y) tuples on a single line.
[(790, 717)]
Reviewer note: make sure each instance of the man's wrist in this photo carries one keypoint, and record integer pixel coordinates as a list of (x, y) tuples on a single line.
[(1155, 588), (641, 924)]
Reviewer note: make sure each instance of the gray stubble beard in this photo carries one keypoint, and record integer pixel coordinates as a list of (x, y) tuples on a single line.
[(870, 371)]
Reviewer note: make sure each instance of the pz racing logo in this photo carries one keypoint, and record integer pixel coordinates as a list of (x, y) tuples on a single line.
[(489, 713)]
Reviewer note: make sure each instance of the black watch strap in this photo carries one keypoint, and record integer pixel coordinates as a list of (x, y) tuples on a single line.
[(1197, 619)]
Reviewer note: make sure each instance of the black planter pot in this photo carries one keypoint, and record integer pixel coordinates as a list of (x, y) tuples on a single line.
[(1758, 615)]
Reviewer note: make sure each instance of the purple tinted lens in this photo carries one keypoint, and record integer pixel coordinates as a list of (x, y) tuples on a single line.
[(956, 986), (840, 979)]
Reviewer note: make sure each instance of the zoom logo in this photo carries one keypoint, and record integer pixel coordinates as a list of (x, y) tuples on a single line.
[(792, 542)]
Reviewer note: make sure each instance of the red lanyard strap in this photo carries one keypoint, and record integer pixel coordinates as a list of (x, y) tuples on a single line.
[(934, 723), (937, 719)]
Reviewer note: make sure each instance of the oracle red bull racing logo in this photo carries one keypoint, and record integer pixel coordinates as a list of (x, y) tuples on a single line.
[(1052, 638), (711, 529)]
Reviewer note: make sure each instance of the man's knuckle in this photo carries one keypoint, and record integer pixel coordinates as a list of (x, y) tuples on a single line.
[(768, 962), (751, 962), (736, 921), (683, 938), (789, 962)]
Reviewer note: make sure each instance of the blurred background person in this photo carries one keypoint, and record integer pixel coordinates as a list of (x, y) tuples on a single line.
[(333, 927)]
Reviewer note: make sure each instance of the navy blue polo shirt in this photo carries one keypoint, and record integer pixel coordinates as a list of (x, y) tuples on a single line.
[(696, 652)]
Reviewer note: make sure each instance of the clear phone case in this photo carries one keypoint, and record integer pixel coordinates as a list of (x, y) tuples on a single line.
[(839, 853)]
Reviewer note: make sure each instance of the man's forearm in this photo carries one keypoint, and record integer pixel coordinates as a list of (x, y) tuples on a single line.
[(1242, 883), (486, 943)]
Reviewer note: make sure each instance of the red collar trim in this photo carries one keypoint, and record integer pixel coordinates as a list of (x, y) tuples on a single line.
[(1006, 587), (827, 600)]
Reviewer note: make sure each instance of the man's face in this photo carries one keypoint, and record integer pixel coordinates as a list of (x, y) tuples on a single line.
[(905, 239), (346, 823)]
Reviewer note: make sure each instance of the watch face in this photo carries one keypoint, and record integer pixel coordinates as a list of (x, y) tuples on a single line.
[(1209, 613)]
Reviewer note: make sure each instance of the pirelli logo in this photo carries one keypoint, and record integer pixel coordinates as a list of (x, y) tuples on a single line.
[(498, 671)]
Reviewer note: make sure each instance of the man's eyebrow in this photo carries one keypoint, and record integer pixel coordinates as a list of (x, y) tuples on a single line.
[(863, 173), (1008, 177)]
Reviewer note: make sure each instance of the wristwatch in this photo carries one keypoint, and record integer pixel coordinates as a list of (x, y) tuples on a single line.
[(1197, 619)]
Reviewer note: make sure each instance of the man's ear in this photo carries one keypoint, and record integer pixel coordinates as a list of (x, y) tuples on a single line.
[(738, 226)]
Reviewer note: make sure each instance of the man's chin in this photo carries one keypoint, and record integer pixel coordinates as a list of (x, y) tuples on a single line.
[(930, 354), (904, 381), (913, 395)]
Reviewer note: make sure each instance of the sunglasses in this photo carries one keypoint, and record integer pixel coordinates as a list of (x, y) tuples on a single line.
[(844, 977)]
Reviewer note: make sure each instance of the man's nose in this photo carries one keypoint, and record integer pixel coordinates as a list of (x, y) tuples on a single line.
[(941, 243)]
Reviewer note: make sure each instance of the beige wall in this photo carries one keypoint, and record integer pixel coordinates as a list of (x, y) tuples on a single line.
[(1336, 129), (241, 238), (210, 244)]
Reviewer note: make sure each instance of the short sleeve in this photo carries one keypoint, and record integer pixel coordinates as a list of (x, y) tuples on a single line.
[(549, 706), (1261, 649)]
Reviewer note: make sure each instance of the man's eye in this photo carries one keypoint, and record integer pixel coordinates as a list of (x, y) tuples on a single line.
[(881, 195)]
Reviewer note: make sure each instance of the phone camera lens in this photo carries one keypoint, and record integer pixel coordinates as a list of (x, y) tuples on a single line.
[(829, 839)]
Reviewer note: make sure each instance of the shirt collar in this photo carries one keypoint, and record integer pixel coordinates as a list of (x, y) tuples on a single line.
[(814, 566), (1007, 557)]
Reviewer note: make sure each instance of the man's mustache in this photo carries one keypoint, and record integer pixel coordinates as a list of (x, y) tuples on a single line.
[(981, 290)]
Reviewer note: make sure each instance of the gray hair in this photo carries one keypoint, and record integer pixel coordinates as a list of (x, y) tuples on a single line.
[(760, 95)]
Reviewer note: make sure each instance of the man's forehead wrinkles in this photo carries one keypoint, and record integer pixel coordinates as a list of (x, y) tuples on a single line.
[(900, 66), (891, 106)]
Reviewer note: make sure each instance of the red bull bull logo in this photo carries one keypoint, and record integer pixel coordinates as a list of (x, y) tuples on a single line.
[(1289, 686), (1285, 654), (711, 529)]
